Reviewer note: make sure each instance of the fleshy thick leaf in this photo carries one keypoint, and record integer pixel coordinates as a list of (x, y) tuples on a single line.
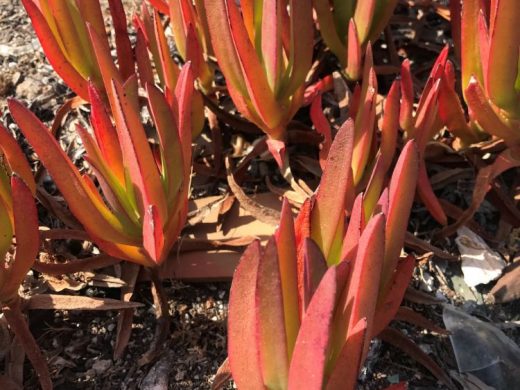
[(244, 355), (401, 195), (27, 237), (307, 370), (52, 50), (286, 244), (15, 158), (94, 216), (329, 209), (504, 51), (269, 302), (137, 154)]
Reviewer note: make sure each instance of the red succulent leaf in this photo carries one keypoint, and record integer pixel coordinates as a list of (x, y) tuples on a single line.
[(27, 237), (336, 183), (95, 216), (322, 127), (390, 302), (153, 235), (314, 267), (287, 257), (242, 326), (310, 352), (15, 158), (401, 195), (349, 362), (271, 333), (53, 51)]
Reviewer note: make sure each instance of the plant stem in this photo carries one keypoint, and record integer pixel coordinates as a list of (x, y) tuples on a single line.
[(163, 318)]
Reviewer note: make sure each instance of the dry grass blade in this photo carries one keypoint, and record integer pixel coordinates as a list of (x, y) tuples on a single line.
[(412, 317), (420, 297), (21, 329), (222, 377), (483, 183), (420, 245), (399, 340), (64, 234)]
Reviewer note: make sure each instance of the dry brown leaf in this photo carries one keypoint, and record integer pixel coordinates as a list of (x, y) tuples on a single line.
[(198, 214), (217, 264), (73, 302), (417, 296), (65, 282), (420, 245), (295, 198), (102, 280), (507, 288), (78, 265), (258, 211)]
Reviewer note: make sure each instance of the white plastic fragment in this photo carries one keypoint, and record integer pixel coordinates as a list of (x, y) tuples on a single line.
[(480, 264)]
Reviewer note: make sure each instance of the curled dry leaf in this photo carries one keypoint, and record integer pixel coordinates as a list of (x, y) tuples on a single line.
[(262, 213)]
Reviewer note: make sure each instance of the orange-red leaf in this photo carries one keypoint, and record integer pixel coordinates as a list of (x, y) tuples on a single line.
[(53, 51), (307, 370), (243, 351), (95, 216), (27, 236), (286, 244), (334, 189), (401, 196), (269, 303)]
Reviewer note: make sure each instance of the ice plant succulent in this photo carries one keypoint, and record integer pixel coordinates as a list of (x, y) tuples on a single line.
[(348, 25), (362, 111), (142, 205), (155, 63), (490, 66), (191, 35), (438, 106), (63, 30), (490, 58), (18, 219), (265, 53), (308, 304)]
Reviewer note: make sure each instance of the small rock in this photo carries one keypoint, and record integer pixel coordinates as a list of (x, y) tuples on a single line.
[(101, 365)]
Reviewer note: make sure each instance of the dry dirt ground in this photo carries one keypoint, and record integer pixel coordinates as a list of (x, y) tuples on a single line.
[(78, 345)]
